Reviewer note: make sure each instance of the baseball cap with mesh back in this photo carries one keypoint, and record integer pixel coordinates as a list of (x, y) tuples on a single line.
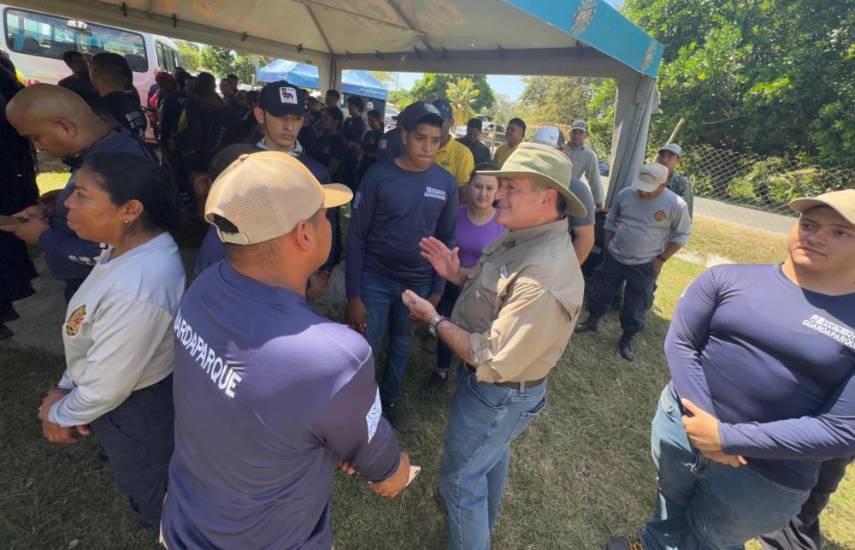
[(265, 195), (549, 135)]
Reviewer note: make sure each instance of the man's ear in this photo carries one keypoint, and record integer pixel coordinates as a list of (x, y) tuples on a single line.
[(67, 126), (259, 114)]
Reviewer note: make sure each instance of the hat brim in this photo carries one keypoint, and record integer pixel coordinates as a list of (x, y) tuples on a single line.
[(427, 117), (647, 187), (574, 206), (284, 110), (802, 205), (673, 152), (336, 194)]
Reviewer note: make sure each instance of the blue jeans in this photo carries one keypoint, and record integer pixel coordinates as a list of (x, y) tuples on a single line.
[(484, 420), (703, 505), (382, 299)]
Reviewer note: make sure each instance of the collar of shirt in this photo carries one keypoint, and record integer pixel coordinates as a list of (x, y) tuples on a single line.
[(256, 290), (295, 152), (522, 236)]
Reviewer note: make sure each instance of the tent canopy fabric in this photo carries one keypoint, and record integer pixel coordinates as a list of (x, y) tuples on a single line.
[(304, 75), (525, 37)]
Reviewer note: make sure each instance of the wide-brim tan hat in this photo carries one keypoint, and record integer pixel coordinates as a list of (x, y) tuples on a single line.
[(842, 202), (265, 195), (543, 164)]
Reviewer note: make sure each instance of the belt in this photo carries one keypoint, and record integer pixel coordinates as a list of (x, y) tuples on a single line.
[(515, 385)]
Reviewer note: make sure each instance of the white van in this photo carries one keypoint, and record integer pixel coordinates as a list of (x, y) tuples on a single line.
[(36, 41)]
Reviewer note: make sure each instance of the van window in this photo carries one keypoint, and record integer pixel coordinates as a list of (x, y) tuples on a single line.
[(50, 36), (165, 59)]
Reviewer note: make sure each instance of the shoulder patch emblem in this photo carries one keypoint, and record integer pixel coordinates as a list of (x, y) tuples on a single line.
[(659, 216), (75, 320)]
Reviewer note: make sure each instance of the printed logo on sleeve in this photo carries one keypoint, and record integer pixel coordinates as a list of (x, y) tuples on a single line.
[(841, 334), (432, 193), (372, 418), (288, 95), (75, 321)]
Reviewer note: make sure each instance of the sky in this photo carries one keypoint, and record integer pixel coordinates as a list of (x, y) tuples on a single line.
[(510, 86)]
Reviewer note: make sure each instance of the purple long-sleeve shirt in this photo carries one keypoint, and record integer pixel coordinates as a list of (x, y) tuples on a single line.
[(773, 362)]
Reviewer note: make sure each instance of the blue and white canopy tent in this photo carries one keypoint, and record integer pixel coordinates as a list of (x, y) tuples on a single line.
[(536, 37), (307, 76)]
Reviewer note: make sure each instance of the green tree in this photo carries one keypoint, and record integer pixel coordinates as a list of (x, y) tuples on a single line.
[(191, 55), (503, 109), (555, 99), (463, 96), (435, 85), (223, 61), (774, 77)]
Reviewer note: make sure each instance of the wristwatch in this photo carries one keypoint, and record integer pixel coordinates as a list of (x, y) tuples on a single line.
[(434, 323)]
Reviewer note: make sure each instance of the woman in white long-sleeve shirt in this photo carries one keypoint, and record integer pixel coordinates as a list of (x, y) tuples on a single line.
[(118, 328)]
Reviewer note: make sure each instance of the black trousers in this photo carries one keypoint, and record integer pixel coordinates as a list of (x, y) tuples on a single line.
[(638, 295), (137, 437), (802, 532)]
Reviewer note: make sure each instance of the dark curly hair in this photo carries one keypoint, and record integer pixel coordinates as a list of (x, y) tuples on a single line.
[(126, 176)]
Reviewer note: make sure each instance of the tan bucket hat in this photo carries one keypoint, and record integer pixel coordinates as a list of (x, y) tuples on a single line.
[(545, 165)]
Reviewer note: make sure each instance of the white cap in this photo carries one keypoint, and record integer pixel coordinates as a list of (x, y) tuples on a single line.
[(549, 135), (650, 177)]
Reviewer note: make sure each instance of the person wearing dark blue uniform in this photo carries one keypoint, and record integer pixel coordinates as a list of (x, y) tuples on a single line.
[(60, 122), (268, 395), (399, 202), (280, 112), (762, 391)]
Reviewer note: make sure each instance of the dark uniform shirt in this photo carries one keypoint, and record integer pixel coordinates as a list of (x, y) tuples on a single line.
[(122, 108), (480, 152)]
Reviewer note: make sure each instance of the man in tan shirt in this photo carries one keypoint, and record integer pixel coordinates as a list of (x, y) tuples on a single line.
[(510, 326)]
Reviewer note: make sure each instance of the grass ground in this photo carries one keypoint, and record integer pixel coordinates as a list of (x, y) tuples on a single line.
[(579, 475)]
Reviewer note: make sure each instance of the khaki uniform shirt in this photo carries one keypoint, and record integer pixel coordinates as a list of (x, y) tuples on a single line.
[(521, 303)]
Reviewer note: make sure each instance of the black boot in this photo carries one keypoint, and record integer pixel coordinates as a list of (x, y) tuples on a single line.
[(588, 325), (397, 416), (626, 347)]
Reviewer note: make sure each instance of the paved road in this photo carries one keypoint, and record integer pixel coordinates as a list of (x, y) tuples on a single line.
[(749, 217)]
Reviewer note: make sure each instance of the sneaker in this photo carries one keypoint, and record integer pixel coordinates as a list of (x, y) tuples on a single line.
[(397, 416), (588, 325), (434, 384), (624, 544), (627, 348)]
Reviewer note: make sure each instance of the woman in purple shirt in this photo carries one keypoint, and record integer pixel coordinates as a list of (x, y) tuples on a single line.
[(476, 229)]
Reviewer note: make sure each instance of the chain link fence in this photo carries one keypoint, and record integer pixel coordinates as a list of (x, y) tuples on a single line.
[(762, 183)]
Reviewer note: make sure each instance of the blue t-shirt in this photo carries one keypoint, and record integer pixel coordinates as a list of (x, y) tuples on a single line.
[(212, 250), (68, 256), (392, 211), (391, 145), (267, 396), (773, 362)]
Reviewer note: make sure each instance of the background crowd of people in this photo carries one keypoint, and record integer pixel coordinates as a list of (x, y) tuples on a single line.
[(492, 253)]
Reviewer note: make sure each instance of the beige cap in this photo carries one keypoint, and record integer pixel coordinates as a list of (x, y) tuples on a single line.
[(266, 194), (843, 202), (650, 177), (543, 164)]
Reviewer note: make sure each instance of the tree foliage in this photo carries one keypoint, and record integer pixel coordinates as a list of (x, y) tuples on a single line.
[(556, 100), (463, 96), (773, 77), (223, 61), (435, 85), (191, 55)]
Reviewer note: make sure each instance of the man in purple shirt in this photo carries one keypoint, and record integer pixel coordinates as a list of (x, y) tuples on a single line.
[(762, 361), (268, 396)]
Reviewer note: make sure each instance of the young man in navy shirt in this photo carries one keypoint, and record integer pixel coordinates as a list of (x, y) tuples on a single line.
[(399, 202), (280, 113), (268, 395), (762, 391), (60, 122)]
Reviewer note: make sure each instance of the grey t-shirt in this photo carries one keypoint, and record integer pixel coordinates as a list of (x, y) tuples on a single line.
[(585, 163), (643, 228), (583, 193)]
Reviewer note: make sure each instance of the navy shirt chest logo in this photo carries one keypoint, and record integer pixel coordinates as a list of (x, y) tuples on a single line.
[(432, 193)]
